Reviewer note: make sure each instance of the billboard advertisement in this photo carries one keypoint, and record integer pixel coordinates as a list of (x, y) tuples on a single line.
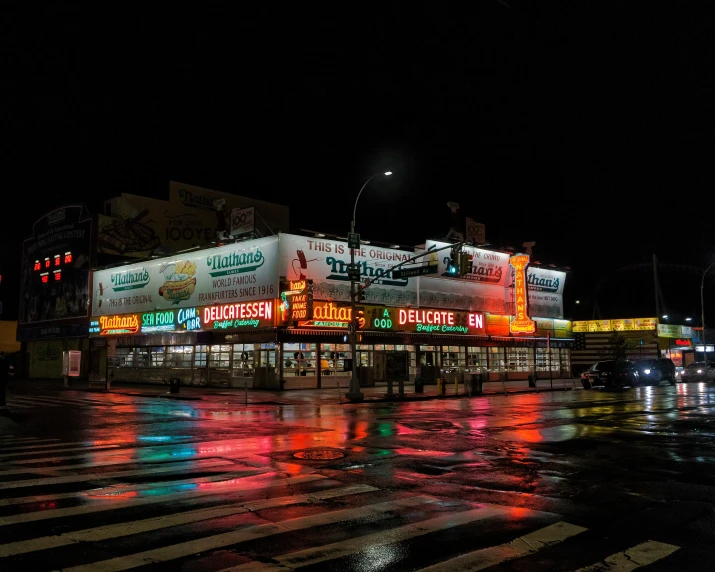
[(233, 273), (140, 226), (488, 267), (545, 288), (325, 261)]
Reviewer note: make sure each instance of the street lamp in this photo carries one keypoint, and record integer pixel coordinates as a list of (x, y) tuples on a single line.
[(702, 311), (355, 394)]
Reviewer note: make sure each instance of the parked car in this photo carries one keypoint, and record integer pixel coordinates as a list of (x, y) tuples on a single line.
[(653, 371), (699, 371), (610, 374)]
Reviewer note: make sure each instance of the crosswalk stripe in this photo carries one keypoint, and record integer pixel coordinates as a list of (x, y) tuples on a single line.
[(203, 449), (28, 402), (643, 554), (190, 547), (114, 490), (250, 483), (86, 449), (147, 525), (22, 439), (319, 554), (59, 468), (14, 404), (522, 546), (174, 467), (256, 567), (78, 400), (44, 446)]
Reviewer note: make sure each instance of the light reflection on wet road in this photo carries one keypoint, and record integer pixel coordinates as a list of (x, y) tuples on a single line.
[(210, 484)]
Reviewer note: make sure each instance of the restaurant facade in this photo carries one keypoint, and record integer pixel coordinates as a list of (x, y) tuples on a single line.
[(274, 312)]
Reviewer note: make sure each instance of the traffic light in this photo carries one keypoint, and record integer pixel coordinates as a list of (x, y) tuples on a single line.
[(465, 263), (453, 266), (360, 294)]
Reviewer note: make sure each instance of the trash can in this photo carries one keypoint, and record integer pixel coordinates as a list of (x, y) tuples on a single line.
[(476, 382), (532, 380), (419, 385), (174, 383)]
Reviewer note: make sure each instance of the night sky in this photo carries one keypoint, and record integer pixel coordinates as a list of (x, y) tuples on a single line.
[(588, 127)]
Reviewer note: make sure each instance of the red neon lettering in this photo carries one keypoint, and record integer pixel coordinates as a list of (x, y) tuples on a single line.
[(240, 311)]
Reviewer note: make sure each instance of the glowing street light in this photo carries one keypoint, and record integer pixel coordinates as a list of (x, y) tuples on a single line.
[(355, 394)]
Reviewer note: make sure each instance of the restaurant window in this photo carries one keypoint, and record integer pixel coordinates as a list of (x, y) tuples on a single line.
[(495, 358), (519, 359), (333, 356), (200, 354), (299, 359), (150, 357), (364, 355), (565, 361), (243, 356), (220, 355), (452, 357), (476, 358), (180, 356), (124, 357)]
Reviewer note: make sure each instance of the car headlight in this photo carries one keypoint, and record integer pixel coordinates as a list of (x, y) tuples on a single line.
[(700, 371), (646, 371)]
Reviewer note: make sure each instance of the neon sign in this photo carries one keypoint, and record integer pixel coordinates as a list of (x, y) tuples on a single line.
[(189, 319), (522, 324), (330, 315), (160, 321), (423, 320), (296, 301), (240, 315), (115, 325)]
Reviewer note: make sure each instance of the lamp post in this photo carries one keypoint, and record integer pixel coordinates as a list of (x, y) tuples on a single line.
[(355, 394), (702, 311)]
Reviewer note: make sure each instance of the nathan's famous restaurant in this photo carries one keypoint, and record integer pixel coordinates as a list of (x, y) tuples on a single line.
[(275, 311)]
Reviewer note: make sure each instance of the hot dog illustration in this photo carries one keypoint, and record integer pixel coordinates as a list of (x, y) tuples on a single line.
[(180, 282)]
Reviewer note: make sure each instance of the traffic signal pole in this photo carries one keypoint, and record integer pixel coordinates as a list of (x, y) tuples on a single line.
[(356, 290)]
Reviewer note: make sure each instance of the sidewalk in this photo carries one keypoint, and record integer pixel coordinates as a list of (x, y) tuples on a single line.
[(294, 396)]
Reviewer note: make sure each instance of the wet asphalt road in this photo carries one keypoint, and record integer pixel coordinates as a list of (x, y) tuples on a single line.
[(569, 480)]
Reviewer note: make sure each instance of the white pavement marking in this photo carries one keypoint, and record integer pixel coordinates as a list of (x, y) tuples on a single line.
[(13, 403), (643, 554), (248, 485), (60, 468), (522, 546), (141, 526), (319, 554), (256, 567), (34, 402), (110, 492), (249, 533), (87, 449), (21, 439), (173, 467), (44, 446)]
